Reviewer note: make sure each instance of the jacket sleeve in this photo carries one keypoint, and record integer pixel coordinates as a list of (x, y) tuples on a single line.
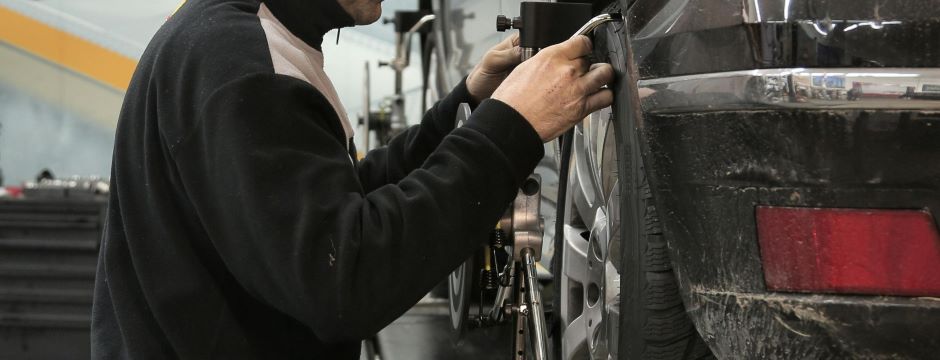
[(408, 150), (281, 202)]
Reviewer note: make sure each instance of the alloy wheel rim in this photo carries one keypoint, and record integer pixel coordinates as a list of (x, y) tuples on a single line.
[(590, 283)]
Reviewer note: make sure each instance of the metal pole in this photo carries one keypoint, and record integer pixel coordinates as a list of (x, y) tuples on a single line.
[(536, 310), (366, 110), (398, 65), (522, 314)]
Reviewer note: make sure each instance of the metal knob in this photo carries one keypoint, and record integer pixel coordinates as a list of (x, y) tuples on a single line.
[(504, 23)]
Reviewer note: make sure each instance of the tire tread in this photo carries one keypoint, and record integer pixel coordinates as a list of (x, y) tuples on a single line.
[(654, 322)]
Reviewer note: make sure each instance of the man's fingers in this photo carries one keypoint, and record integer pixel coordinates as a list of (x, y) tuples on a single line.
[(583, 64), (598, 100), (503, 56), (502, 60), (508, 42), (575, 47), (598, 76)]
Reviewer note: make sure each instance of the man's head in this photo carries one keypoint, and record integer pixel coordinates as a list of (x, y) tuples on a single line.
[(364, 12)]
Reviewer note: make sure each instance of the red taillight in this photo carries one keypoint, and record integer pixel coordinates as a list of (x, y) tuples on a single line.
[(883, 252)]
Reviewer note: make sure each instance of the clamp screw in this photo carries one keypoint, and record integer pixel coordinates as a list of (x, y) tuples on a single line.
[(504, 23)]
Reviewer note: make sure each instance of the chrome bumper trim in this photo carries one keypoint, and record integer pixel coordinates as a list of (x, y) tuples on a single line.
[(798, 88)]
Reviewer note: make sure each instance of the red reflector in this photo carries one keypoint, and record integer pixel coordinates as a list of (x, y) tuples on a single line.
[(882, 252), (13, 191)]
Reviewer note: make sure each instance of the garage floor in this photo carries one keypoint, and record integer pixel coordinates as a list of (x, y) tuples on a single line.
[(424, 332)]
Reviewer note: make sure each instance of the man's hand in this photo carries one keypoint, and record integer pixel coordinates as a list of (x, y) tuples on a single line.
[(557, 88), (494, 68)]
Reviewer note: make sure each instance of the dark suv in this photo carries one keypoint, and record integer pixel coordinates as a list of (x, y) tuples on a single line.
[(766, 184)]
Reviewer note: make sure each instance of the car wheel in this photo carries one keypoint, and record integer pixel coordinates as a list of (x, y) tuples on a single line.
[(619, 298)]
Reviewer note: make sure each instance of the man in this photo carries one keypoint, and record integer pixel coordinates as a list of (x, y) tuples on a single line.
[(240, 225)]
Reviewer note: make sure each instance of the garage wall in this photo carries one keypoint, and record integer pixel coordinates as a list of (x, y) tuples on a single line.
[(61, 86)]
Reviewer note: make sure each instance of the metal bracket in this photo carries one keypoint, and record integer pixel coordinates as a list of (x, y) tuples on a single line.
[(525, 221), (542, 24), (527, 229)]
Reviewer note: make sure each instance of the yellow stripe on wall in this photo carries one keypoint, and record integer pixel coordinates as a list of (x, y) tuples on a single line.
[(67, 50)]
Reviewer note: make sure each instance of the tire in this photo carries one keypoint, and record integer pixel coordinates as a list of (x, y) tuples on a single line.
[(652, 320)]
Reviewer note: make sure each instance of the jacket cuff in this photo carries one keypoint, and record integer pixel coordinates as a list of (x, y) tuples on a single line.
[(510, 131), (446, 110), (461, 94)]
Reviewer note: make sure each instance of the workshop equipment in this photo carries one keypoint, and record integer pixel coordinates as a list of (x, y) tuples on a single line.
[(507, 275), (390, 119), (543, 24)]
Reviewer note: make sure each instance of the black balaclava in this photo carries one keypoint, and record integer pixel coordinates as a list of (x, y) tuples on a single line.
[(310, 19)]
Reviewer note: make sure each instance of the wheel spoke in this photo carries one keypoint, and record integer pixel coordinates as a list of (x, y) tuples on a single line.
[(611, 284), (596, 329), (575, 258), (612, 326), (575, 339), (600, 236)]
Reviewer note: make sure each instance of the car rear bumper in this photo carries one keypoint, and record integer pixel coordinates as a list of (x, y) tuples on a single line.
[(799, 326), (717, 147)]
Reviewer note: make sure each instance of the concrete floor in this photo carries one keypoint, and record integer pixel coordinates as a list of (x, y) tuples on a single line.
[(424, 333)]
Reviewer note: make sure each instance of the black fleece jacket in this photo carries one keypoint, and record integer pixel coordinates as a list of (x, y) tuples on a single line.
[(240, 227)]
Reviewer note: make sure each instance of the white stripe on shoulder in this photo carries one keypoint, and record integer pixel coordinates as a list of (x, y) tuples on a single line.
[(292, 57)]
